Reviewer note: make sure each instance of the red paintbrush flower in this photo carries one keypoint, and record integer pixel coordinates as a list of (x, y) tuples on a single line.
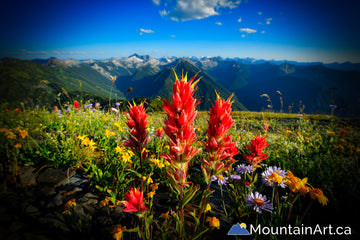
[(159, 132), (181, 114), (137, 124), (256, 148), (342, 133), (219, 146), (76, 105), (134, 201)]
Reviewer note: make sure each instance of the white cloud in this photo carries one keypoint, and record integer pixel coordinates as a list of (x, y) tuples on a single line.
[(164, 12), (239, 20), (145, 31), (247, 30), (259, 12), (218, 23), (198, 9), (243, 35), (268, 20), (263, 32), (156, 2)]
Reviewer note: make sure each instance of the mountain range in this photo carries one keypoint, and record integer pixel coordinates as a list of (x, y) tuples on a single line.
[(313, 86)]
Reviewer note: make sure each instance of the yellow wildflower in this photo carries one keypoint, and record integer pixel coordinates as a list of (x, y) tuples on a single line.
[(275, 177), (23, 133), (151, 194), (10, 135), (165, 215), (82, 137), (207, 208), (91, 145), (69, 205), (18, 145), (288, 131), (118, 232), (318, 193), (149, 179), (126, 157), (341, 147), (330, 133), (118, 125), (119, 149), (109, 133), (296, 184), (85, 141), (154, 186), (157, 162), (105, 202), (213, 222)]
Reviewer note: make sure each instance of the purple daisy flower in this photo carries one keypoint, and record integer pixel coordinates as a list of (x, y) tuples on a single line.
[(242, 168), (88, 105), (274, 175), (235, 177), (114, 110), (258, 202), (220, 179)]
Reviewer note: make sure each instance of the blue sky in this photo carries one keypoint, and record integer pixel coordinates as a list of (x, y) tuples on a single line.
[(306, 30)]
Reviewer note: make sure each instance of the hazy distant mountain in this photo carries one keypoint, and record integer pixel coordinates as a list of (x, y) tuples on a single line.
[(316, 85)]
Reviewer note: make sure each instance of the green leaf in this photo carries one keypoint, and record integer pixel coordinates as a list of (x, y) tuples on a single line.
[(197, 221), (136, 173), (200, 233), (190, 193)]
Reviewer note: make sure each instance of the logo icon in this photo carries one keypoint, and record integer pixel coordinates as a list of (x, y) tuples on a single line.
[(238, 229)]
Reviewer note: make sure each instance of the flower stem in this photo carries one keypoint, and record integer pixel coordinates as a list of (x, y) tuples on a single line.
[(223, 202), (181, 211), (306, 211)]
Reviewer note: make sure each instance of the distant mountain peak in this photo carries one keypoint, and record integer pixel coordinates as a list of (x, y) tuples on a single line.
[(53, 61), (134, 55)]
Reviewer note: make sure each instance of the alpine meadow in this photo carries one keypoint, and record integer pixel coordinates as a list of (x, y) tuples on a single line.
[(179, 119)]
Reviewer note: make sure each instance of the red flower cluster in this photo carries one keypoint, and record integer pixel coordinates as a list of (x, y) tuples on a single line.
[(256, 148), (219, 146), (76, 105), (137, 124), (181, 114), (134, 201)]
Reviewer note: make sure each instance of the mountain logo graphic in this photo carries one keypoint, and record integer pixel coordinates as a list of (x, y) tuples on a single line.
[(238, 229)]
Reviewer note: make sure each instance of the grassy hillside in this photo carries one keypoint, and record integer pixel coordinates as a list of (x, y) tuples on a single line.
[(31, 83)]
